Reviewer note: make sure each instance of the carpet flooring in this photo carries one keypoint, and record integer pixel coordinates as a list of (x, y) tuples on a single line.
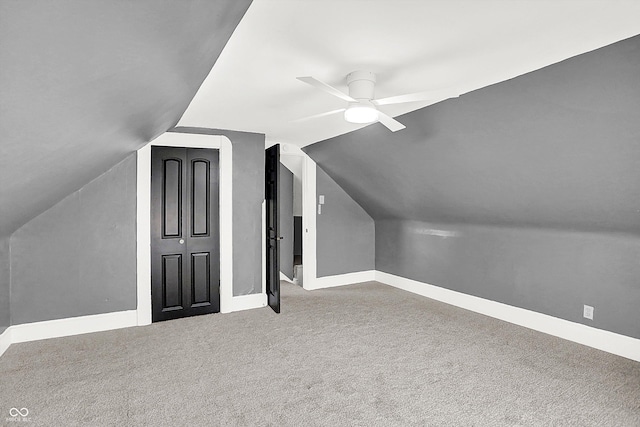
[(360, 355)]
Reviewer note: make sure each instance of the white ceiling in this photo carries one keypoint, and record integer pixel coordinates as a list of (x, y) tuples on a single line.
[(411, 45)]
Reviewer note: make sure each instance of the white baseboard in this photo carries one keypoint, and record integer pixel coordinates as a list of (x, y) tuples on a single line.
[(97, 323), (285, 277), (247, 302), (340, 280), (610, 342), (73, 326), (5, 340)]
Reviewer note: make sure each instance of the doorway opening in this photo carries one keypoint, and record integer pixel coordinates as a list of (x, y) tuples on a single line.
[(292, 159)]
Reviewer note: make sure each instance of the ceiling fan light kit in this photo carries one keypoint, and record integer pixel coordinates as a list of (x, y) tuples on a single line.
[(361, 113), (363, 108), (361, 88)]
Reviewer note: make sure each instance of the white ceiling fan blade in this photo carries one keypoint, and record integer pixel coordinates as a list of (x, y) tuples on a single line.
[(429, 95), (315, 116), (390, 122), (325, 87)]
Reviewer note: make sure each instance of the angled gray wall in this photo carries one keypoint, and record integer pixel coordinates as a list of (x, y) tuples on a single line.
[(79, 257), (553, 272), (345, 241), (88, 83), (555, 148), (536, 177), (5, 285), (248, 194), (285, 200)]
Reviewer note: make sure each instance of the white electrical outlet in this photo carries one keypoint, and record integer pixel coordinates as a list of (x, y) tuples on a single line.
[(588, 312)]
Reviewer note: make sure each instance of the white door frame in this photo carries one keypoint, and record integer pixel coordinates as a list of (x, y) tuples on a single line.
[(218, 142), (309, 260), (309, 267)]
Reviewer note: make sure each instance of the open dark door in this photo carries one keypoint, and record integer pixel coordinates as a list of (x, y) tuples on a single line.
[(272, 188)]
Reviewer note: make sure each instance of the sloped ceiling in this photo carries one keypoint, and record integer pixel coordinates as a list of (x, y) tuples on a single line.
[(84, 84), (559, 147), (412, 45)]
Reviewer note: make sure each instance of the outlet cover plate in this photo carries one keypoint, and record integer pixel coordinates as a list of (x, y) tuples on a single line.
[(588, 312)]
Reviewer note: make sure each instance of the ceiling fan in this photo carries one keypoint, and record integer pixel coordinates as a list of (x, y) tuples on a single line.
[(363, 107)]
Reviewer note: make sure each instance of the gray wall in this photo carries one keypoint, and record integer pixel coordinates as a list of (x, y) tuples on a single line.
[(345, 232), (248, 194), (79, 257), (556, 148), (549, 271), (541, 170), (285, 201), (5, 285), (88, 83)]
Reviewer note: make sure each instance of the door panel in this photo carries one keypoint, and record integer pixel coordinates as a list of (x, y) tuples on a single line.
[(200, 198), (272, 173), (172, 282), (185, 253), (172, 200), (200, 278)]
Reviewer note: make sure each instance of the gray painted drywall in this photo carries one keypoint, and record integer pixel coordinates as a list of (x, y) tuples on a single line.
[(345, 241), (248, 195), (297, 195), (79, 257), (285, 201), (556, 148), (294, 162), (541, 173), (549, 271), (84, 84), (5, 285), (297, 235)]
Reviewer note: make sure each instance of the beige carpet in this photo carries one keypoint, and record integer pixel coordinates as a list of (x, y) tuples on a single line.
[(361, 355)]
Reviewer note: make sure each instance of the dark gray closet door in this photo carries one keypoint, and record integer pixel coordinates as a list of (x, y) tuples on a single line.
[(185, 242)]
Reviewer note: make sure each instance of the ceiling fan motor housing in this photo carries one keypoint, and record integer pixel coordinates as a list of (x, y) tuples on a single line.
[(361, 85)]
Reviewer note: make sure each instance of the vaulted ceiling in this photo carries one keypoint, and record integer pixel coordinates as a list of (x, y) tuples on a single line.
[(84, 84), (555, 148), (412, 45)]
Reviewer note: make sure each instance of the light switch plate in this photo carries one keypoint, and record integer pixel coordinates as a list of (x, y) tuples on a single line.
[(321, 199)]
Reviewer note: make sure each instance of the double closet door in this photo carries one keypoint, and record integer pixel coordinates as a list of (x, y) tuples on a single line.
[(185, 235)]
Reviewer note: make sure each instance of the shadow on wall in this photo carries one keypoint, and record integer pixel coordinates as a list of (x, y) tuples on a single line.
[(345, 231), (548, 271)]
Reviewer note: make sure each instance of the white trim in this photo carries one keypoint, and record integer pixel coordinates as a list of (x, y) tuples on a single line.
[(597, 338), (73, 326), (143, 236), (5, 340), (309, 270), (264, 247), (285, 277), (223, 144), (341, 279), (247, 302)]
